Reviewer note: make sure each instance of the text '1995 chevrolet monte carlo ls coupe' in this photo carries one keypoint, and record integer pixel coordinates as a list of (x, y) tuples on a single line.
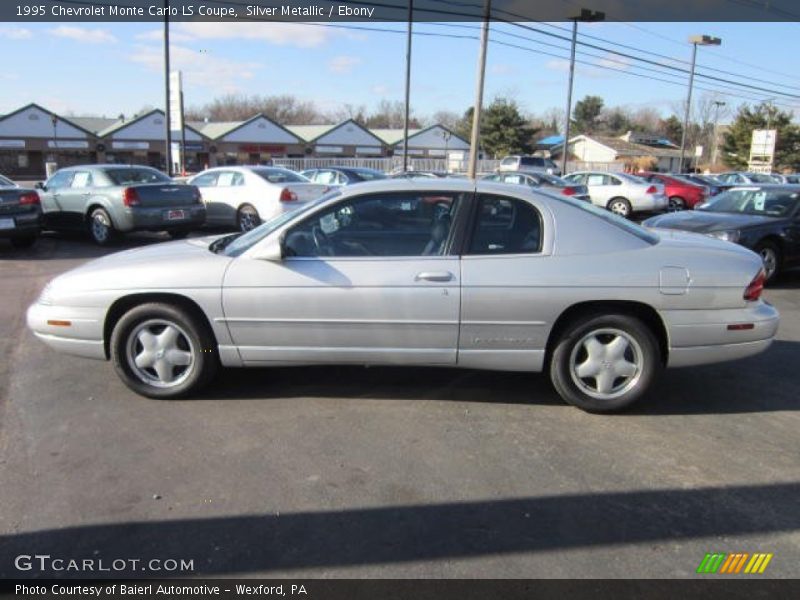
[(439, 272)]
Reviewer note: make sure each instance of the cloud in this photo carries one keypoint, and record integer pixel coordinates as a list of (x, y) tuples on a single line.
[(15, 33), (343, 64), (198, 68), (81, 34), (302, 35)]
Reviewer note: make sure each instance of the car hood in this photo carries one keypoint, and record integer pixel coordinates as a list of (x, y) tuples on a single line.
[(169, 265), (701, 221)]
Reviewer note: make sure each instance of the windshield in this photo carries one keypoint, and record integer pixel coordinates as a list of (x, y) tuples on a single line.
[(132, 176), (280, 175), (754, 201), (244, 242), (369, 174), (6, 182), (760, 178), (553, 180), (609, 217)]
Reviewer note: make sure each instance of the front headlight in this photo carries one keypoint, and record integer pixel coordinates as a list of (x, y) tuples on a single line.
[(728, 236)]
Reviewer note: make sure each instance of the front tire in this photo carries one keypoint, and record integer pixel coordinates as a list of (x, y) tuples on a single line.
[(620, 206), (604, 363), (247, 218), (162, 351), (101, 228), (675, 204), (24, 241), (771, 257)]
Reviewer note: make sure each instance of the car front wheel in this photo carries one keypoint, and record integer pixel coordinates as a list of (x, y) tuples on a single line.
[(603, 363), (162, 351)]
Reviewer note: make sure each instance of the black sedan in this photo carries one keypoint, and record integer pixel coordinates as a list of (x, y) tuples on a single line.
[(764, 218), (20, 214)]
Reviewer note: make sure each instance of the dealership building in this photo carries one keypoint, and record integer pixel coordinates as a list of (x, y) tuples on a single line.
[(33, 138)]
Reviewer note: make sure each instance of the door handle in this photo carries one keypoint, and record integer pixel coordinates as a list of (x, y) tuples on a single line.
[(434, 276)]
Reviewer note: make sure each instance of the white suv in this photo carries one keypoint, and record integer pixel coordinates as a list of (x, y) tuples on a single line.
[(535, 164)]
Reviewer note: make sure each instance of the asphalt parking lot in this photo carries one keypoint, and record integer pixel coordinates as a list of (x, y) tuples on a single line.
[(353, 472)]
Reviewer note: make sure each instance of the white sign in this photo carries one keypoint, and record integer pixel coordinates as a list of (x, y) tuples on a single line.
[(12, 143), (130, 145), (175, 101), (435, 152), (58, 144), (698, 151), (368, 149), (763, 143), (329, 149)]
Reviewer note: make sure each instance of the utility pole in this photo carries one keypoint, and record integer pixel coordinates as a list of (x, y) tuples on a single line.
[(695, 41), (715, 143), (585, 15), (474, 140), (408, 85), (168, 124)]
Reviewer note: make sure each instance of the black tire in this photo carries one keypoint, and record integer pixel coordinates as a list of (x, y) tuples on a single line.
[(571, 354), (24, 241), (247, 218), (177, 234), (101, 227), (676, 203), (771, 257), (620, 206), (193, 338)]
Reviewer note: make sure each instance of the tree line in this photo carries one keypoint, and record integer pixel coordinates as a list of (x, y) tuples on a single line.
[(507, 129)]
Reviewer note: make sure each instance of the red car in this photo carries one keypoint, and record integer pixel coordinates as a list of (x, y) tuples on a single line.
[(681, 193)]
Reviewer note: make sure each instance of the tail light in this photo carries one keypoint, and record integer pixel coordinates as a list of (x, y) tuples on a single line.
[(29, 199), (652, 190), (198, 197), (753, 291), (569, 191), (288, 195), (130, 197)]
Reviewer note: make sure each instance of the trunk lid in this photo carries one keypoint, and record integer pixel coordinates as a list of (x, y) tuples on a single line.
[(10, 201), (306, 191), (166, 195)]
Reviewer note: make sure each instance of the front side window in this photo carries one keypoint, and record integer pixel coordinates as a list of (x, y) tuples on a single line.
[(206, 179), (60, 180), (506, 226), (230, 179), (390, 224), (597, 179)]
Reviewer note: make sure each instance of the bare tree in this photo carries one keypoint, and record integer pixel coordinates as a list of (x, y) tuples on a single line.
[(238, 107)]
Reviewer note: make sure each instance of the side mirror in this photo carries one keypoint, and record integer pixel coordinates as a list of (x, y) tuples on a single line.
[(272, 250), (40, 186)]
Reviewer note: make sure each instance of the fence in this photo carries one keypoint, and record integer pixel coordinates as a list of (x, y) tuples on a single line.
[(394, 163)]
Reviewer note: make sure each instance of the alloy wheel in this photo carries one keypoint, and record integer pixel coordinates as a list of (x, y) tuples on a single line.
[(160, 353), (606, 363), (770, 260)]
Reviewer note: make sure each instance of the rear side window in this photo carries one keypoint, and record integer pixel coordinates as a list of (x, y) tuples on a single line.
[(505, 226), (532, 161), (133, 176), (280, 176), (206, 179), (60, 180)]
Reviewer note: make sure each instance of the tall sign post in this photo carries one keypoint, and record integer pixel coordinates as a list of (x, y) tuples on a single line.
[(177, 145)]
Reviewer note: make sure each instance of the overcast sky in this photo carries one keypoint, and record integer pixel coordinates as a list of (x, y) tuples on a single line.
[(111, 68)]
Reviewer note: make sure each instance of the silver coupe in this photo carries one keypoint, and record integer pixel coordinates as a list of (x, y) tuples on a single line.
[(440, 272)]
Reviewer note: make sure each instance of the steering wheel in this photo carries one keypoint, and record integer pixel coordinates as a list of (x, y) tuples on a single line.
[(321, 241)]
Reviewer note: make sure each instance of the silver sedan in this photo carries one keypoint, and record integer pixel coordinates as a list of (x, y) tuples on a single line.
[(439, 272)]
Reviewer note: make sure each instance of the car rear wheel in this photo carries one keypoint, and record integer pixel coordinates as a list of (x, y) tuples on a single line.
[(620, 206), (247, 218), (676, 203), (771, 257), (162, 351), (101, 228), (603, 363), (24, 241), (178, 234)]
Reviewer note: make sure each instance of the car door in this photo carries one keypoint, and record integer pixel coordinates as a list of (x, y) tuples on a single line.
[(207, 184), (50, 196), (371, 279), (602, 188), (230, 193), (504, 307), (73, 199)]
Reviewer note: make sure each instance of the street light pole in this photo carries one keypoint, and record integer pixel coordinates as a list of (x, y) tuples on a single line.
[(695, 41), (168, 124), (472, 165), (715, 142), (408, 86), (586, 16)]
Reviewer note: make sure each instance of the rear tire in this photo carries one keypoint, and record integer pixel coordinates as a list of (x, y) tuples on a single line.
[(177, 234), (24, 241), (101, 228), (771, 258), (604, 363), (620, 206), (247, 218), (676, 203), (163, 351)]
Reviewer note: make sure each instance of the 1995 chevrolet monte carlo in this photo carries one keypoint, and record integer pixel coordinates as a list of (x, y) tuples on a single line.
[(419, 272)]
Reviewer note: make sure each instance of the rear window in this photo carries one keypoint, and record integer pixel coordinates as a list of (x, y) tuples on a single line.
[(532, 161), (369, 174), (280, 176), (133, 176)]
